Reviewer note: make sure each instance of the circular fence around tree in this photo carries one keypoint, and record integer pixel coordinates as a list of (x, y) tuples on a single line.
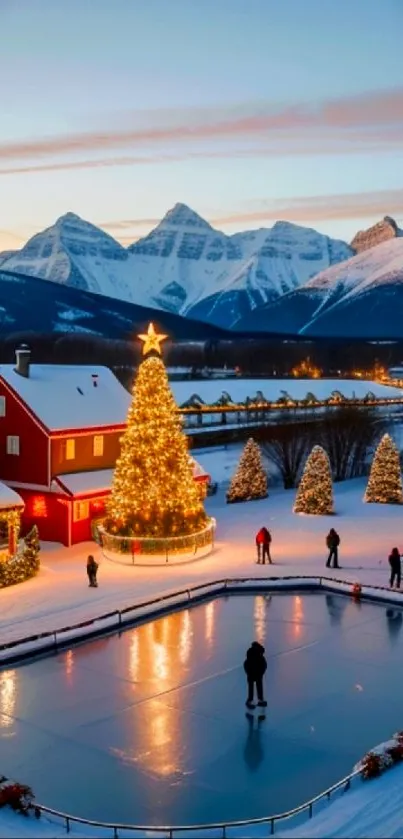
[(152, 551)]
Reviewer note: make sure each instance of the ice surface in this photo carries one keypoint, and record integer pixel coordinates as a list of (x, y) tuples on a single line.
[(157, 717)]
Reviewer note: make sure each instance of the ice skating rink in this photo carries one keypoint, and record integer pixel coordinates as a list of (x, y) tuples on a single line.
[(151, 727)]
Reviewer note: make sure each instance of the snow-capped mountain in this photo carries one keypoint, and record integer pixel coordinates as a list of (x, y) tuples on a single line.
[(190, 267), (361, 297), (74, 252), (184, 265), (375, 235)]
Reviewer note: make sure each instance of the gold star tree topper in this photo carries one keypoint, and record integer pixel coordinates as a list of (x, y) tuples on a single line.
[(152, 340)]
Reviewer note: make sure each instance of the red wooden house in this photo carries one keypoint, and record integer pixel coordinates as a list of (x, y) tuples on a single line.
[(60, 427)]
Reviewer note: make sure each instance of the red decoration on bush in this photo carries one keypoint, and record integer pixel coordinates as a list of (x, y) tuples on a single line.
[(17, 796), (371, 766)]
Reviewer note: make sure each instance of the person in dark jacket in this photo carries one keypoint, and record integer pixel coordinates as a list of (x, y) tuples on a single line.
[(333, 542), (263, 541), (395, 567), (255, 666), (92, 568)]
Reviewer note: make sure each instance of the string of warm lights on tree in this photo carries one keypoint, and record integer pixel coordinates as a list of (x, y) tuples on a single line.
[(154, 494)]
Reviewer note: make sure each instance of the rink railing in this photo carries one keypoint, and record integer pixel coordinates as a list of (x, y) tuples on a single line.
[(215, 830), (114, 621), (48, 642)]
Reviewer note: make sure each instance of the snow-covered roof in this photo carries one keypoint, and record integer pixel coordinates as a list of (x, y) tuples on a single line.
[(9, 498), (100, 480), (84, 483), (65, 396)]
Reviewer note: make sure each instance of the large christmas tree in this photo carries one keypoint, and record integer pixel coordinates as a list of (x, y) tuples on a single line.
[(154, 493), (315, 493), (385, 479), (249, 481)]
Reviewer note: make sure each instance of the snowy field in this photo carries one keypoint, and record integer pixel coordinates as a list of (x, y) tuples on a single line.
[(272, 389), (59, 596)]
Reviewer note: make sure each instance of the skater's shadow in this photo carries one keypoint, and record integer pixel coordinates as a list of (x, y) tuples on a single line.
[(335, 606), (253, 750), (394, 619)]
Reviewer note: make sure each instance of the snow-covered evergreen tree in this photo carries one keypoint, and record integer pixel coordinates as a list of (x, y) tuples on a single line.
[(385, 479), (315, 491), (250, 480)]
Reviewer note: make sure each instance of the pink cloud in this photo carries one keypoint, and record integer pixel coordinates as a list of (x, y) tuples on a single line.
[(349, 120)]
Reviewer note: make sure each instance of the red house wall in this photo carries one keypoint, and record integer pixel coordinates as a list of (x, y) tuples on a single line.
[(31, 465), (49, 511)]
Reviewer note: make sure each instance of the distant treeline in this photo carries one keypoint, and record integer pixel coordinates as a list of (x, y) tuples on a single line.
[(253, 356)]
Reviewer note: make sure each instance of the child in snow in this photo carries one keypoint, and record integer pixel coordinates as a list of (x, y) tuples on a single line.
[(92, 568)]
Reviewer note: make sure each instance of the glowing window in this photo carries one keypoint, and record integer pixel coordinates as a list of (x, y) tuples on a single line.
[(39, 509), (2, 406), (81, 510), (70, 449), (98, 445), (13, 445)]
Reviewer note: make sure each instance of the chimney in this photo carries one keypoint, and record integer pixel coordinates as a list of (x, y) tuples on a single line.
[(23, 360)]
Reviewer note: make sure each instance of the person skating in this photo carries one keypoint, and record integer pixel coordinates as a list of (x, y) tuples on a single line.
[(263, 541), (395, 567), (333, 542), (255, 666), (92, 568)]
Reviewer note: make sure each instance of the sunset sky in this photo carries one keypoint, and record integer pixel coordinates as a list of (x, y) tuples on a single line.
[(247, 110)]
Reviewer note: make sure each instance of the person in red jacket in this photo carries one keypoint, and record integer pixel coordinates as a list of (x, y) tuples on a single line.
[(263, 541)]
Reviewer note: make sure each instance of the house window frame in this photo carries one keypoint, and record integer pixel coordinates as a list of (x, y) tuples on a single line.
[(13, 444), (81, 510), (98, 445), (2, 406), (70, 448)]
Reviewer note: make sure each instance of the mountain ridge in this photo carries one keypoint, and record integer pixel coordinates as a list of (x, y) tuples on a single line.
[(181, 263)]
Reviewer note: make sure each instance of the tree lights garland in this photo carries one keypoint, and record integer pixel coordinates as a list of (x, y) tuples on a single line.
[(153, 492), (250, 480), (24, 564), (315, 491), (385, 479)]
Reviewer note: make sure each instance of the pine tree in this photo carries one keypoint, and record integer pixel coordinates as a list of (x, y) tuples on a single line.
[(153, 492), (315, 493), (385, 480), (249, 481)]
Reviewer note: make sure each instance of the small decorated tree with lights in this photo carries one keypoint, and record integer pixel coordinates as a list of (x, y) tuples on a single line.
[(250, 480), (154, 494), (385, 479), (315, 491)]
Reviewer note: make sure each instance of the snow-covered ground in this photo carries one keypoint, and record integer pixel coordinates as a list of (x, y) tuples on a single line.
[(272, 389), (60, 596)]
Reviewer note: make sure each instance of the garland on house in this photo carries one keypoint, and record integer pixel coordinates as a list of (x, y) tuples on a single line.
[(250, 480), (24, 564), (385, 479), (315, 491), (154, 493)]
